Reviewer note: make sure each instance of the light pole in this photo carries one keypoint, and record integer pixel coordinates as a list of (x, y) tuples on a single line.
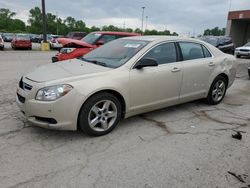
[(44, 22), (230, 5), (142, 19), (57, 29), (146, 27)]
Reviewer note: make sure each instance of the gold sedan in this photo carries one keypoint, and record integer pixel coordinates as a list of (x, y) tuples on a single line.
[(123, 78)]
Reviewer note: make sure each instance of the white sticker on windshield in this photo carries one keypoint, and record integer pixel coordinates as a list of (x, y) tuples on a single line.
[(132, 45)]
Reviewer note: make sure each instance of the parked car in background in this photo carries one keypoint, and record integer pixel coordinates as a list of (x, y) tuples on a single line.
[(8, 37), (243, 50), (54, 44), (1, 43), (37, 38), (249, 70), (21, 41), (223, 43), (77, 48), (76, 35), (125, 77)]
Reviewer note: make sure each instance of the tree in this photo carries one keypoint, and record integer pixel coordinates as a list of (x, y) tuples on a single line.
[(137, 30), (215, 31), (35, 20), (94, 28), (5, 19)]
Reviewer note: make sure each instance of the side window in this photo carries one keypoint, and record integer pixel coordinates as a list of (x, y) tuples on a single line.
[(191, 51), (206, 52), (107, 38), (164, 53), (120, 36)]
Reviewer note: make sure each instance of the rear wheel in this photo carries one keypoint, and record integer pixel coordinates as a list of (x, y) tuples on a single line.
[(217, 90), (100, 114)]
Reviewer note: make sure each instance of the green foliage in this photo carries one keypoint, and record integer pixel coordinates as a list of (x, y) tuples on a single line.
[(155, 32), (56, 25), (7, 23), (215, 31)]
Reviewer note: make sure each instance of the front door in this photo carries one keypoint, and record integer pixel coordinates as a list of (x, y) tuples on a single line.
[(156, 87)]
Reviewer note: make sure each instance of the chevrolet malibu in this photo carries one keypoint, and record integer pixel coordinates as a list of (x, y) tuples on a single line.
[(123, 78)]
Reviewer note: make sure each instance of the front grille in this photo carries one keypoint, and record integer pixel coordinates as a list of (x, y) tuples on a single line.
[(21, 98), (244, 50), (24, 86)]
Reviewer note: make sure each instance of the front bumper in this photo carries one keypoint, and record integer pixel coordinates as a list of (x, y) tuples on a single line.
[(242, 53), (54, 59), (60, 114)]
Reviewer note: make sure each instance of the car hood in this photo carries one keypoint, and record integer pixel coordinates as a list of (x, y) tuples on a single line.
[(64, 69), (243, 47), (66, 42)]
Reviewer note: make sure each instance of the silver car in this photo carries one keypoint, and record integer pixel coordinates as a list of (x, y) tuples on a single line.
[(123, 78)]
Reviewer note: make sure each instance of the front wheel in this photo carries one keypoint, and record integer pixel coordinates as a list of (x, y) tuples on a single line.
[(238, 56), (100, 114), (217, 90)]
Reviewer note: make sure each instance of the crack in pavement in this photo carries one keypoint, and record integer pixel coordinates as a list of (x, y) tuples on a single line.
[(202, 114), (160, 124), (50, 175)]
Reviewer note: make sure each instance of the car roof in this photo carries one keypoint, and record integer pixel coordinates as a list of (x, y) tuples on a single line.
[(152, 38), (117, 33)]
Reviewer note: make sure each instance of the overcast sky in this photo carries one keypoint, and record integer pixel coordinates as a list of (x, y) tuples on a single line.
[(182, 16)]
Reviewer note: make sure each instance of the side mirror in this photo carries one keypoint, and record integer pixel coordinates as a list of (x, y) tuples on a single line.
[(99, 43), (146, 62)]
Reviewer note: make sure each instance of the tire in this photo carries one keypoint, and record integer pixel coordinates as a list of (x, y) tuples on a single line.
[(238, 56), (249, 73), (96, 109), (217, 90)]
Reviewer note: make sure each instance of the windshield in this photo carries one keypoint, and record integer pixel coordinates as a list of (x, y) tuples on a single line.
[(212, 40), (91, 38), (247, 44), (115, 53), (23, 37)]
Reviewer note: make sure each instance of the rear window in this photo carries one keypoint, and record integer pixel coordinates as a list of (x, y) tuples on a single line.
[(206, 52), (23, 37), (191, 51)]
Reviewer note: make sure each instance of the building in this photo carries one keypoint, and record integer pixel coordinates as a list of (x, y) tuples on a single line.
[(238, 27)]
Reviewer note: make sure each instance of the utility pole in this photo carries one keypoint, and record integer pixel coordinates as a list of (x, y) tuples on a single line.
[(142, 19), (44, 22), (146, 27), (230, 5), (57, 23)]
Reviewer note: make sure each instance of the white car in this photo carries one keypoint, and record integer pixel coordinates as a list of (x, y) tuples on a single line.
[(123, 78), (243, 50), (1, 43), (54, 44)]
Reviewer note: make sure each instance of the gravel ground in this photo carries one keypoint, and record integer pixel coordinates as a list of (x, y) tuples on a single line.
[(188, 145)]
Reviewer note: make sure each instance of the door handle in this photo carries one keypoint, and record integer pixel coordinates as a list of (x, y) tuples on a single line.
[(176, 69), (211, 64)]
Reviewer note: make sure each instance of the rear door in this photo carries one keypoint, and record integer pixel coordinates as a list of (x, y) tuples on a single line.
[(198, 64)]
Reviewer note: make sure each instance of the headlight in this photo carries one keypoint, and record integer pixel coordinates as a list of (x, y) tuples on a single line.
[(67, 50), (52, 93), (237, 50)]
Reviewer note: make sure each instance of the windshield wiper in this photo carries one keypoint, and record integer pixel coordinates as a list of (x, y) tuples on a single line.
[(95, 62)]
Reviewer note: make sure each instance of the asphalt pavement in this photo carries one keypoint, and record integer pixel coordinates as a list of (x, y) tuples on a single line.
[(188, 145)]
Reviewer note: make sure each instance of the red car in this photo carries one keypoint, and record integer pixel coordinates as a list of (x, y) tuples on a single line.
[(77, 48), (21, 41), (76, 35)]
